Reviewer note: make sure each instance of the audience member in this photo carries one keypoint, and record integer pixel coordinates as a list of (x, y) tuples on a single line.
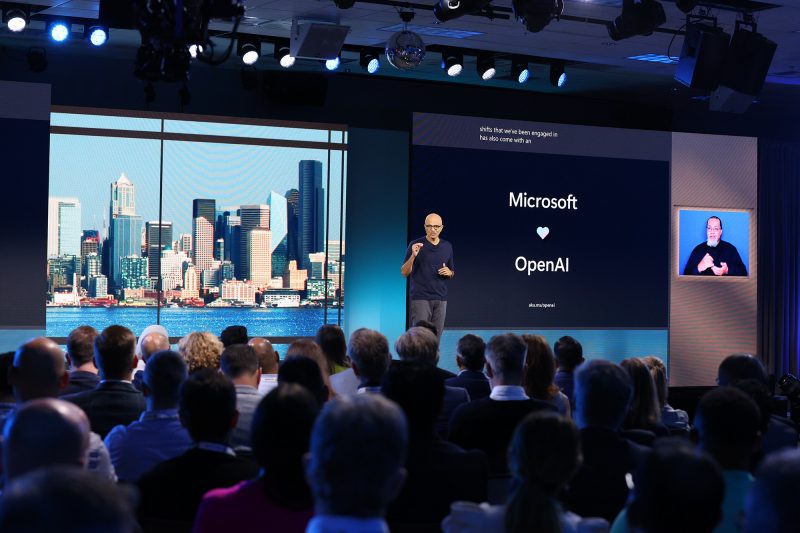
[(603, 394), (310, 349), (279, 499), (643, 422), (240, 363), (38, 371), (331, 341), (158, 434), (736, 370), (304, 371), (569, 355), (201, 349), (355, 465), (771, 505), (419, 344), (268, 361), (488, 424), (67, 500), (80, 358), (171, 492), (233, 335), (7, 403), (153, 328), (115, 400), (676, 489), (470, 359), (370, 359), (439, 472), (44, 432), (727, 423), (544, 454), (149, 344), (540, 371), (676, 420), (430, 326)]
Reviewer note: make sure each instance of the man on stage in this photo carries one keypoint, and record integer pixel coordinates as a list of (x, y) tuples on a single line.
[(714, 257), (429, 262)]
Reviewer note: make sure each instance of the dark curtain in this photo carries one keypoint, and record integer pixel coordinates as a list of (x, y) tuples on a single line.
[(779, 255)]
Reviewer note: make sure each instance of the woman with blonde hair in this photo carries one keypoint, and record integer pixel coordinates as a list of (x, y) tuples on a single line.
[(200, 349)]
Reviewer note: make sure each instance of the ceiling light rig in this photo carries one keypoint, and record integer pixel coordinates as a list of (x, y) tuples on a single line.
[(445, 10), (452, 62), (520, 70), (536, 14), (558, 74), (17, 18), (248, 48), (486, 67), (370, 61), (637, 18), (282, 54)]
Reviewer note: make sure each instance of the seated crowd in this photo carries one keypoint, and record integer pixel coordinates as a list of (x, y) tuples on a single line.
[(121, 434)]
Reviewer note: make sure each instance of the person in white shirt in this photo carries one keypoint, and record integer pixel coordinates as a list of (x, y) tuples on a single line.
[(268, 360)]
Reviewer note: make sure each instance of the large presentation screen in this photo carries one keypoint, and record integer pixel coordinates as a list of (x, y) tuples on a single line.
[(194, 222), (557, 228), (570, 230)]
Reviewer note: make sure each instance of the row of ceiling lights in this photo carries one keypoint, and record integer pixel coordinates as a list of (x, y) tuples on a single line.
[(249, 50), (17, 19)]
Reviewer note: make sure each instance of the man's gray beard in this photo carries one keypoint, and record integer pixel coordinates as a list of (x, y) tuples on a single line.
[(712, 243)]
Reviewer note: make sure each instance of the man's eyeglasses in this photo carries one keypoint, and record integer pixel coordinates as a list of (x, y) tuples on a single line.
[(709, 228), (430, 226)]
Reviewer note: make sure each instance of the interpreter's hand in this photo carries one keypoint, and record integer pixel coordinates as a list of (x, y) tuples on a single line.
[(706, 262), (415, 248), (446, 272), (721, 270)]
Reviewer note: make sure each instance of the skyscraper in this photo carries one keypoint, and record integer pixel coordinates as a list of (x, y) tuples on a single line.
[(219, 249), (123, 199), (203, 241), (292, 224), (311, 210), (134, 273), (278, 221), (125, 241), (191, 283), (125, 228), (158, 235), (259, 256), (206, 208), (252, 217), (98, 287), (63, 226)]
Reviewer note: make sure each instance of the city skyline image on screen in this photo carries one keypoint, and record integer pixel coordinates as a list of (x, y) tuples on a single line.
[(194, 224)]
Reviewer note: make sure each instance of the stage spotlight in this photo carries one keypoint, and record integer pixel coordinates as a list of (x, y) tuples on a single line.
[(445, 10), (59, 31), (195, 49), (637, 18), (37, 59), (282, 54), (519, 69), (370, 61), (248, 48), (344, 4), (558, 75), (97, 35), (453, 63), (486, 68), (333, 64), (16, 19), (536, 14)]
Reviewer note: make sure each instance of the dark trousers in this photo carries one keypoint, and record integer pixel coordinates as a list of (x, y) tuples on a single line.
[(430, 310)]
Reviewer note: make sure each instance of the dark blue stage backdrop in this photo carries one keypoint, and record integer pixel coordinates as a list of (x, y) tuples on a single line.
[(600, 261)]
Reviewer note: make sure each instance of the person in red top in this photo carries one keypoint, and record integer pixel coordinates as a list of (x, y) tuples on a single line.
[(279, 499)]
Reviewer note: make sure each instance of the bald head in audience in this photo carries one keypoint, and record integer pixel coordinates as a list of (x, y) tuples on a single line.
[(38, 370), (45, 432), (267, 358), (152, 343)]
